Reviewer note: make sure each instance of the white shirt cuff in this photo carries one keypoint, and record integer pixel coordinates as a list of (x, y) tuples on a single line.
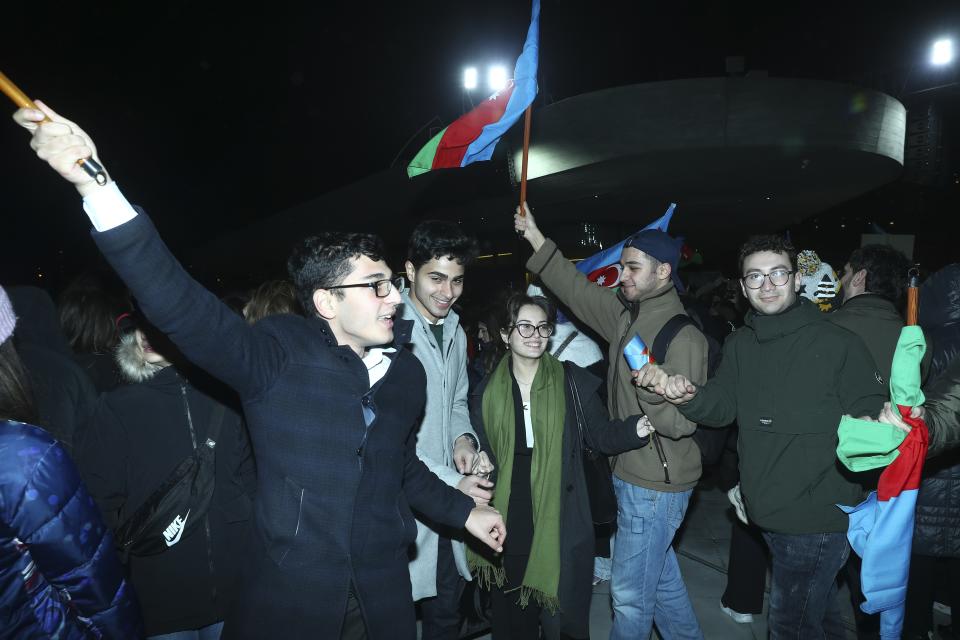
[(107, 208)]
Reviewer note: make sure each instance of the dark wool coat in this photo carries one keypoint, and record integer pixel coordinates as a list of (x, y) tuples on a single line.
[(576, 525), (334, 494), (59, 575)]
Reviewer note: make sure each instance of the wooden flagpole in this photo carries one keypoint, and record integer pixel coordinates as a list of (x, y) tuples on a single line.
[(19, 98), (526, 153), (913, 296)]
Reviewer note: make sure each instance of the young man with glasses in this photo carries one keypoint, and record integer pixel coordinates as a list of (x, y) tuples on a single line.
[(331, 403), (787, 377), (653, 483), (438, 254)]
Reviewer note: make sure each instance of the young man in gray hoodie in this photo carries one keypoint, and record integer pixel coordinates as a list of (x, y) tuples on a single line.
[(437, 256)]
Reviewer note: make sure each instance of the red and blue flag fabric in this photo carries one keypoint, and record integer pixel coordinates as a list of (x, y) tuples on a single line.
[(881, 527), (603, 268), (474, 135)]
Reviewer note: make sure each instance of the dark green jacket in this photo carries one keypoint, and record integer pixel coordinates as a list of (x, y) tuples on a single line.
[(787, 379), (877, 321)]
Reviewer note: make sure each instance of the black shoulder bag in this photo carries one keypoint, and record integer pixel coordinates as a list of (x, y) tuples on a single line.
[(596, 466), (177, 507)]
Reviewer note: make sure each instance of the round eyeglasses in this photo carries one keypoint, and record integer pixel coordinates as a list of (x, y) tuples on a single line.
[(778, 278), (526, 330)]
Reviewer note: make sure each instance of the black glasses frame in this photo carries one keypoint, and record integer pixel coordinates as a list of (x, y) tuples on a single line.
[(534, 329), (765, 276), (381, 288)]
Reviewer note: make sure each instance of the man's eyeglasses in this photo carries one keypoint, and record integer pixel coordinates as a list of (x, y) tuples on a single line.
[(526, 330), (778, 278), (381, 288)]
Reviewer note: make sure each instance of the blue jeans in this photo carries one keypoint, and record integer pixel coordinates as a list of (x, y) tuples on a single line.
[(209, 632), (646, 585), (803, 602)]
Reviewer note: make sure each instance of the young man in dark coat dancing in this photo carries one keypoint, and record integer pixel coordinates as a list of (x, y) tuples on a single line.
[(331, 404)]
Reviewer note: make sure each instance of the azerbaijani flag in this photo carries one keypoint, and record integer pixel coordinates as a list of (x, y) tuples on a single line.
[(474, 136), (881, 527), (604, 267)]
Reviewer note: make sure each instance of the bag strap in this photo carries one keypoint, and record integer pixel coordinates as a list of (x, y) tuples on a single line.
[(216, 420), (563, 345), (577, 407), (667, 333)]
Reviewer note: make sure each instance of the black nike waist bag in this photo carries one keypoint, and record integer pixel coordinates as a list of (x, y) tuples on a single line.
[(178, 506)]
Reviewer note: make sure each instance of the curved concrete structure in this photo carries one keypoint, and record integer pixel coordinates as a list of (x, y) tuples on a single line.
[(738, 155)]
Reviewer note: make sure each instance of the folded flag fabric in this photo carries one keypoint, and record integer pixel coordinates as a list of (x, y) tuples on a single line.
[(881, 527), (474, 136), (637, 353), (604, 267)]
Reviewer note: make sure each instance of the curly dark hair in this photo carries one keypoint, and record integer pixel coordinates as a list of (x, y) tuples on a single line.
[(886, 270), (772, 243), (323, 261), (440, 239)]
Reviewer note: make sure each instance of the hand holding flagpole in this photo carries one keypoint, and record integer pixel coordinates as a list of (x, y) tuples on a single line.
[(19, 98)]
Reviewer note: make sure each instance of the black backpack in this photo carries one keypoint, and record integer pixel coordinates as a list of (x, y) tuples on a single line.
[(177, 507), (711, 440)]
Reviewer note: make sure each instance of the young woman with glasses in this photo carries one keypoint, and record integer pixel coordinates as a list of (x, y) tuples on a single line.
[(526, 416)]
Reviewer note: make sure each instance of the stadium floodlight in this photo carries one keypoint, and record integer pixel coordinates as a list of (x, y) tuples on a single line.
[(941, 53), (497, 78), (470, 78)]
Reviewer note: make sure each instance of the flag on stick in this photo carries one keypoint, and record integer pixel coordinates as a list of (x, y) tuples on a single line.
[(474, 135)]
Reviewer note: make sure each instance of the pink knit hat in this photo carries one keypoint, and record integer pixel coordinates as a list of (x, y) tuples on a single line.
[(7, 319)]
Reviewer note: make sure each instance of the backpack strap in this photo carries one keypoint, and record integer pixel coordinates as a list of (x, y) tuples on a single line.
[(666, 335)]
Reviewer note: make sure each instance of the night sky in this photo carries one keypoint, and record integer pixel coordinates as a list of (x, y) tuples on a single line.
[(212, 116)]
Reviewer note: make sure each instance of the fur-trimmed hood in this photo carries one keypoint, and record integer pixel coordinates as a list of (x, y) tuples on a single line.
[(133, 366)]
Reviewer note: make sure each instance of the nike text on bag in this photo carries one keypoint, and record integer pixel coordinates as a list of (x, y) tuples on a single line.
[(177, 507)]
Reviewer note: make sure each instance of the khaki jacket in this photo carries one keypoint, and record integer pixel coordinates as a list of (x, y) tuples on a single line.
[(617, 321)]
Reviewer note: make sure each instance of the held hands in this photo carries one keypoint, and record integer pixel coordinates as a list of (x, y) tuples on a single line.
[(464, 454), (486, 525), (527, 228), (675, 389), (890, 415), (60, 143), (476, 487)]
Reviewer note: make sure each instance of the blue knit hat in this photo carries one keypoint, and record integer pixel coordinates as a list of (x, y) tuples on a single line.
[(7, 318)]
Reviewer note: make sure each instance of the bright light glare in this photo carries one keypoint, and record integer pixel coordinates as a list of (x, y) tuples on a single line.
[(497, 78), (942, 52), (470, 78)]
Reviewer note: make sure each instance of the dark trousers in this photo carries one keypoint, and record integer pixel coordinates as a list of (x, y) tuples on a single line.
[(441, 614), (921, 591), (746, 569), (803, 595), (510, 622), (353, 626)]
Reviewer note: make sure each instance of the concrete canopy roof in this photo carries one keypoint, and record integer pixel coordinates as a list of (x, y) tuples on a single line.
[(738, 155)]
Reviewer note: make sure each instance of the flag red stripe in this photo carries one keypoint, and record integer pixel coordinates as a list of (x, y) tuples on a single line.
[(466, 129), (903, 474)]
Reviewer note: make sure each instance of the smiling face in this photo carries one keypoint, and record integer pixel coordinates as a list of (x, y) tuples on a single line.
[(641, 275), (435, 286), (534, 346), (359, 319), (770, 299)]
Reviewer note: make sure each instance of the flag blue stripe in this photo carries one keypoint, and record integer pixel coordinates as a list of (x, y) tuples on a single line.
[(524, 91), (611, 255)]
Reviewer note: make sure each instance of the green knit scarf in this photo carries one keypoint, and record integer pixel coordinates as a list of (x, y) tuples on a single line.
[(548, 404)]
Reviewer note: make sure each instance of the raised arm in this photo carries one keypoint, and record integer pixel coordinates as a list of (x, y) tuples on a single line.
[(206, 331), (596, 306)]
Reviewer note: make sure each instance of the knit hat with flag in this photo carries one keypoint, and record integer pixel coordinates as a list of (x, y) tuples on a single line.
[(7, 318)]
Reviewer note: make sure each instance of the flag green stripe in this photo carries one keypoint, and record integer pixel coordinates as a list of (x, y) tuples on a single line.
[(423, 161)]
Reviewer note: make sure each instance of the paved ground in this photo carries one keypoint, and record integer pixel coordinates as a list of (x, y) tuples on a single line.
[(702, 547)]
